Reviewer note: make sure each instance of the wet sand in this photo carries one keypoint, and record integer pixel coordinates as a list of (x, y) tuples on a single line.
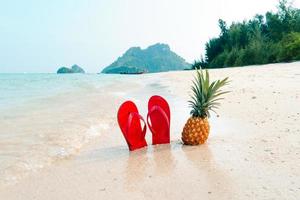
[(253, 151)]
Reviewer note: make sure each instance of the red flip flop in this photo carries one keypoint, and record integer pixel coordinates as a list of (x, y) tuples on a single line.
[(130, 125), (159, 115)]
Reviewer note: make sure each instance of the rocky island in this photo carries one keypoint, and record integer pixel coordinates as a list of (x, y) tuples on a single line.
[(155, 58), (74, 69)]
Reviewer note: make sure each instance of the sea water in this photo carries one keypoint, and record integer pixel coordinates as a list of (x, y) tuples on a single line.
[(45, 117)]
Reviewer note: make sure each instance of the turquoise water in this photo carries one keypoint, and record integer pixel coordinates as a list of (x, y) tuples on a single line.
[(45, 117), (19, 89)]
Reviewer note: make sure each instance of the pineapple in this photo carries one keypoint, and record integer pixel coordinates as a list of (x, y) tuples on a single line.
[(205, 98)]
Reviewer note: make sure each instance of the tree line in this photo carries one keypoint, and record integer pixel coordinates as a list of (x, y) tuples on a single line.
[(269, 38)]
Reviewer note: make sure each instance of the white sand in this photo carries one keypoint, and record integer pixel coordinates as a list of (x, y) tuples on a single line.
[(253, 151)]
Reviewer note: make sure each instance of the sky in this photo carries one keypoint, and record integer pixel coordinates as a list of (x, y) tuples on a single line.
[(42, 35)]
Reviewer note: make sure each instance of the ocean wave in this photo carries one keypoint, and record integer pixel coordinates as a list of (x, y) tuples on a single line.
[(53, 124)]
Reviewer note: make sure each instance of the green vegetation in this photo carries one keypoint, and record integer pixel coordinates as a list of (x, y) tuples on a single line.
[(155, 58), (272, 38), (206, 95)]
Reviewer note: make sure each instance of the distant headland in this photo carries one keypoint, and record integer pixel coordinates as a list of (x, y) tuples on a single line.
[(155, 58)]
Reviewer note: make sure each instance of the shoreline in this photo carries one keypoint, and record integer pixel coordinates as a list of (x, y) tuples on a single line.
[(252, 151), (52, 123)]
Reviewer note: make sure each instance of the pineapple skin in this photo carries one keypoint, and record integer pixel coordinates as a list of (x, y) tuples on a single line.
[(195, 131)]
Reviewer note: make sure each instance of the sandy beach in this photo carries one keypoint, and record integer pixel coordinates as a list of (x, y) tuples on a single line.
[(253, 151)]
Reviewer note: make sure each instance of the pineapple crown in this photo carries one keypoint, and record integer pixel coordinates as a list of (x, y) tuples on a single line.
[(206, 95)]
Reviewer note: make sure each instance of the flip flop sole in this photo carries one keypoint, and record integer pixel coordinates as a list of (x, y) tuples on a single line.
[(160, 125), (132, 132)]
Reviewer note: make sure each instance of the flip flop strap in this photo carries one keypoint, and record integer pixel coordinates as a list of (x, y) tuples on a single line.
[(129, 122), (158, 108)]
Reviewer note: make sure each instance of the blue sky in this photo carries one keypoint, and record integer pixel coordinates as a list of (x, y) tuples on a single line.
[(40, 35)]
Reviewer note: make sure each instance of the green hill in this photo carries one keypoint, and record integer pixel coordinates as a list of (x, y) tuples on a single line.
[(74, 69), (155, 58)]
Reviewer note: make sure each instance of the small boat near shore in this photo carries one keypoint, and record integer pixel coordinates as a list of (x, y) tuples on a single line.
[(133, 73)]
